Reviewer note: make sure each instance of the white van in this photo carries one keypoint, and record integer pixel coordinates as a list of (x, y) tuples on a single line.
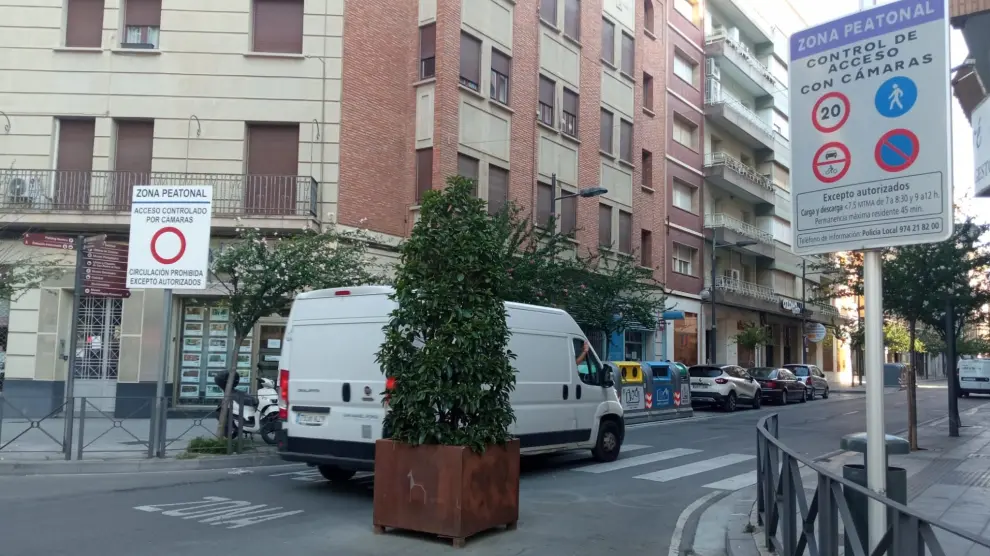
[(331, 386), (974, 376)]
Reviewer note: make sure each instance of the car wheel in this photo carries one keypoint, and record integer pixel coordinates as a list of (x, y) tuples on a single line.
[(804, 395), (730, 402), (811, 394), (757, 402), (783, 396), (335, 474), (825, 394), (607, 447)]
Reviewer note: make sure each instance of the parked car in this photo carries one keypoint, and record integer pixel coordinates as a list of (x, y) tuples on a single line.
[(779, 385), (724, 385), (812, 377)]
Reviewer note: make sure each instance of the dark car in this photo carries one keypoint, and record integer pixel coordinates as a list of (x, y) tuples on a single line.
[(812, 377), (779, 385)]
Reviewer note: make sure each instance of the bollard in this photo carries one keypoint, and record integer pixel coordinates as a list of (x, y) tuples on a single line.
[(82, 428)]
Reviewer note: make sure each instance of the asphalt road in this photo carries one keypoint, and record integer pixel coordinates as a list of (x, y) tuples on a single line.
[(569, 506)]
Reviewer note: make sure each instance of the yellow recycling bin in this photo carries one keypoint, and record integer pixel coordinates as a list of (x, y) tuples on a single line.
[(630, 372)]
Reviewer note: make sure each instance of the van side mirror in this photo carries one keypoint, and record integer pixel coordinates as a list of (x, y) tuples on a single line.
[(607, 374)]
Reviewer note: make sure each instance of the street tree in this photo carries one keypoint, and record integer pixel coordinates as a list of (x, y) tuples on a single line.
[(21, 270), (261, 274)]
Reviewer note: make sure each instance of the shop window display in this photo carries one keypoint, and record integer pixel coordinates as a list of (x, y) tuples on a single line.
[(206, 336)]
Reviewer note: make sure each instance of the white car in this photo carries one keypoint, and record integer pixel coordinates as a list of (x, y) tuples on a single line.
[(724, 385)]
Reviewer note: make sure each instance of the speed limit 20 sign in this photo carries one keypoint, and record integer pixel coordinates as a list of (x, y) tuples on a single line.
[(831, 111)]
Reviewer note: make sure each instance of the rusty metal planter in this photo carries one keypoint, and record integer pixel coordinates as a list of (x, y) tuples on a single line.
[(448, 491)]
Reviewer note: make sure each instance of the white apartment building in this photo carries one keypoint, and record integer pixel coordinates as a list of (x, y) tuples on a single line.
[(747, 199), (100, 95)]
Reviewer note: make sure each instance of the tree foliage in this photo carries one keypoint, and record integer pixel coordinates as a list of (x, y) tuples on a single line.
[(753, 335), (446, 343), (21, 270), (261, 275)]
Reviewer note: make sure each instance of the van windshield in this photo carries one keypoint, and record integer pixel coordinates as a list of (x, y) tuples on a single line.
[(705, 372)]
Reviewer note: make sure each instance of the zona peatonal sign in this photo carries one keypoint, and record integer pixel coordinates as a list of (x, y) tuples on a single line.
[(870, 129), (170, 237)]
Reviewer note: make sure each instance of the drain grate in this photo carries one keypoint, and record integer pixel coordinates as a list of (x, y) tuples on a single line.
[(980, 479)]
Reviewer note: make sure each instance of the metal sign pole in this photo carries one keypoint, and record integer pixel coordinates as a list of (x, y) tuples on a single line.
[(70, 402), (160, 404), (876, 448)]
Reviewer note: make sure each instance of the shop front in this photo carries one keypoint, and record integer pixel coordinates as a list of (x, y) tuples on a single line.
[(678, 340)]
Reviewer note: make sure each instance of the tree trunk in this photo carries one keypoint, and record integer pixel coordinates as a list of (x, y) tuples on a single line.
[(912, 387), (229, 387)]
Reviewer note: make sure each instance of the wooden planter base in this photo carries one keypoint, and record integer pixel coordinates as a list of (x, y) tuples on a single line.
[(447, 491)]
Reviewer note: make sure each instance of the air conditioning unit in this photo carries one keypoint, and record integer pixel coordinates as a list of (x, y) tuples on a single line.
[(713, 90), (712, 70), (18, 191), (735, 275)]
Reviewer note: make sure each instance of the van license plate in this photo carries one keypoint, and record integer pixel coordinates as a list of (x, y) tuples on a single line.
[(969, 378), (310, 419)]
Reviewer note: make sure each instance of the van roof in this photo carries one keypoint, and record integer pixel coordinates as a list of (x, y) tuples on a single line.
[(388, 290)]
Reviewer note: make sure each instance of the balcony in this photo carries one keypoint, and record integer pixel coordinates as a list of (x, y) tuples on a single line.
[(101, 200), (746, 295), (731, 230), (746, 19), (741, 65), (737, 119), (739, 179)]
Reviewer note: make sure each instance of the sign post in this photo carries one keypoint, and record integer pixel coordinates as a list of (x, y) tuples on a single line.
[(871, 157), (169, 248)]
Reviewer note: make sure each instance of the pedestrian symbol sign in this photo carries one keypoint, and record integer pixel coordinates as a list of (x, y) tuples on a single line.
[(896, 96), (832, 162), (897, 150)]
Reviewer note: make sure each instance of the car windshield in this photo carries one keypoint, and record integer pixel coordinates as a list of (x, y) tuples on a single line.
[(762, 372), (798, 370), (705, 372)]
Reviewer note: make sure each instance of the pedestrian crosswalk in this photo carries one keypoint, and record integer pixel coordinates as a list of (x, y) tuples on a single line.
[(659, 466)]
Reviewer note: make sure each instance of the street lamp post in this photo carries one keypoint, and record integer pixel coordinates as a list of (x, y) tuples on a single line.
[(711, 290), (587, 192)]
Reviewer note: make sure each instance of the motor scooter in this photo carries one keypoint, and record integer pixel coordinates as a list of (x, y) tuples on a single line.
[(252, 414)]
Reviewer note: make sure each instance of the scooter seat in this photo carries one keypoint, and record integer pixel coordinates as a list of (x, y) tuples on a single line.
[(250, 401)]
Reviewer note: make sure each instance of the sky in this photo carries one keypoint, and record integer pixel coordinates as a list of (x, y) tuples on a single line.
[(818, 11)]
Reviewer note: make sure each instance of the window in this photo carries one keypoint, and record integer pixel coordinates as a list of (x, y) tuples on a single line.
[(648, 91), (686, 8), (684, 259), (605, 226), (84, 23), (646, 248), (142, 20), (74, 165), (572, 19), (568, 215), (569, 118), (635, 342), (428, 51), (626, 141), (589, 369), (468, 167), (544, 199), (548, 90), (548, 11), (628, 55), (498, 189), (605, 144), (683, 196), (608, 42), (272, 165), (648, 17), (647, 171), (470, 62), (501, 70), (424, 172), (625, 231), (132, 158), (278, 26), (685, 69), (684, 132), (782, 231)]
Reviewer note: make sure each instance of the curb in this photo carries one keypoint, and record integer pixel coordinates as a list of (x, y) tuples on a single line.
[(738, 540), (80, 467)]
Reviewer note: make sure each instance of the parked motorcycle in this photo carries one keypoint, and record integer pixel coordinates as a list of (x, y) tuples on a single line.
[(254, 414)]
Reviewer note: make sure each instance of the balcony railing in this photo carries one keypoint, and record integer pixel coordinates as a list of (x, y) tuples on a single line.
[(720, 220), (109, 192), (742, 50), (747, 172), (716, 98), (749, 289)]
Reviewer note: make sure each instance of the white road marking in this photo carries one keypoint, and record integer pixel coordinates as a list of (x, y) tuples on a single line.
[(734, 483), (665, 475), (675, 538), (851, 412), (637, 460), (634, 447), (217, 510)]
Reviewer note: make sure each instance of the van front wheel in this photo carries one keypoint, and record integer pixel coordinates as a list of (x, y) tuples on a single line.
[(607, 447), (335, 474)]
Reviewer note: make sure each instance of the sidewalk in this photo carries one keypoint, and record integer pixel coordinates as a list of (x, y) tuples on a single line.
[(948, 481), (861, 388)]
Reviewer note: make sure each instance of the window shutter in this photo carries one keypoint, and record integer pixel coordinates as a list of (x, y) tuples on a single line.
[(470, 58), (547, 88), (278, 26), (626, 141), (628, 54), (568, 215), (572, 18), (544, 196), (501, 63), (604, 225), (625, 232), (570, 102), (498, 189), (428, 41), (424, 172), (143, 13)]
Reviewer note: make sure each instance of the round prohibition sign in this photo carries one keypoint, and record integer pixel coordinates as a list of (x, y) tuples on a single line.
[(831, 162), (897, 150), (154, 245), (830, 112)]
